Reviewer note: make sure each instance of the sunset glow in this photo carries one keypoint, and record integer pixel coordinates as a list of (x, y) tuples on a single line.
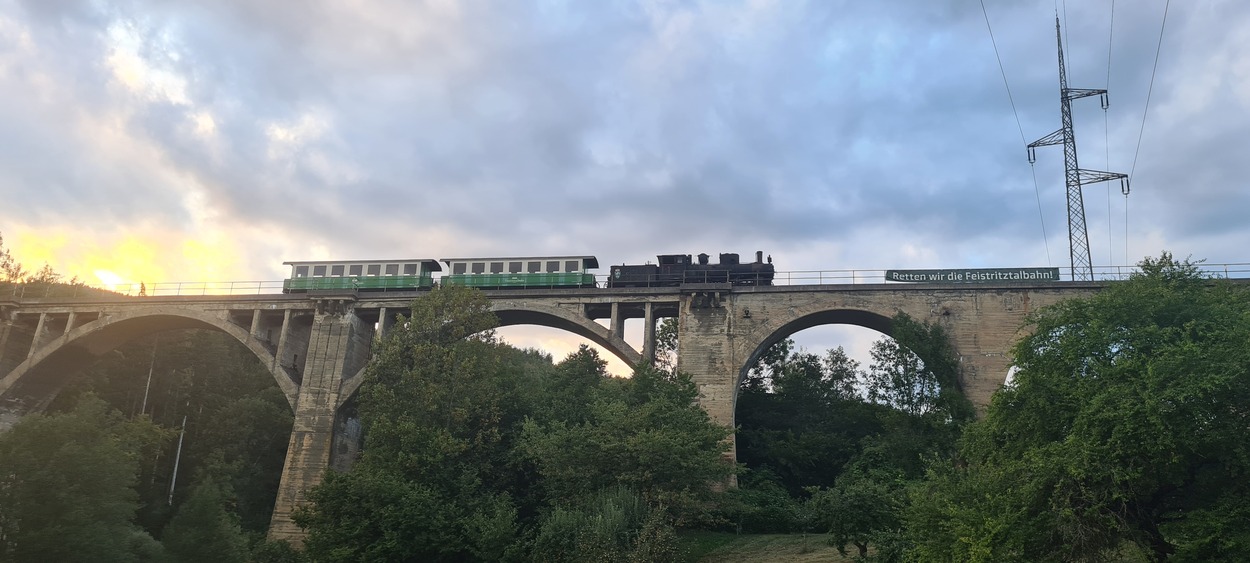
[(108, 279), (128, 259)]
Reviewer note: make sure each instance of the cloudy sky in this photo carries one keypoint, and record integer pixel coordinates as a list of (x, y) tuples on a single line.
[(146, 140)]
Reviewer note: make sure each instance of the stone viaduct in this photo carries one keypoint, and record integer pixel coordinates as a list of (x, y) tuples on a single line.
[(316, 345)]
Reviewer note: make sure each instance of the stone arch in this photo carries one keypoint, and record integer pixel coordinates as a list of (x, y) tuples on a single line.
[(511, 314), (110, 331), (780, 329)]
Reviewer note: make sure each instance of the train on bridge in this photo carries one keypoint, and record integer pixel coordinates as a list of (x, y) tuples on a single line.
[(670, 270)]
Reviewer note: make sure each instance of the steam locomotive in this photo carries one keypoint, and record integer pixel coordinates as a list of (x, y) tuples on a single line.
[(679, 269)]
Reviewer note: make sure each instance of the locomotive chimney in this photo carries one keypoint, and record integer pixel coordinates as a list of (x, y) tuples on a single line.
[(703, 259), (759, 256)]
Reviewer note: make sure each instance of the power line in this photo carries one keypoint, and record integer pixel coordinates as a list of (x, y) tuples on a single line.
[(1150, 90), (1106, 132), (1067, 45), (1036, 190)]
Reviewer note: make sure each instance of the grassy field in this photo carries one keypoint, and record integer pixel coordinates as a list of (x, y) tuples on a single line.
[(720, 547)]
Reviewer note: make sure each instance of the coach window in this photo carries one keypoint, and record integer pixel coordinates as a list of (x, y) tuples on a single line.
[(392, 269), (496, 267), (553, 266), (410, 269), (458, 268), (534, 267), (301, 271), (336, 270), (319, 271), (572, 266), (479, 267), (354, 270), (373, 270), (514, 267)]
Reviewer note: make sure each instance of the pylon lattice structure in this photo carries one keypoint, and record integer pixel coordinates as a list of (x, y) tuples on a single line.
[(1074, 176)]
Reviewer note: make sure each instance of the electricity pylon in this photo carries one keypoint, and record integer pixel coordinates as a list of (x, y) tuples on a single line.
[(1078, 237)]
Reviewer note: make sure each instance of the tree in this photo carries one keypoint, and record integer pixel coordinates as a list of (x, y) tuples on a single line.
[(203, 530), (800, 417), (647, 433), (1124, 429), (10, 269), (439, 411), (238, 420), (864, 507), (66, 485), (917, 372), (666, 343), (471, 447)]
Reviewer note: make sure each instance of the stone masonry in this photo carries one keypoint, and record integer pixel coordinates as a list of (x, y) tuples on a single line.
[(316, 346)]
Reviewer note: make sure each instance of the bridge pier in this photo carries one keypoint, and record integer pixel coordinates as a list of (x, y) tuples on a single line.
[(648, 332), (338, 346), (707, 350)]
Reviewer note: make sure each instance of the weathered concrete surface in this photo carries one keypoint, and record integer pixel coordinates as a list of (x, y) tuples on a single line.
[(721, 331), (335, 347), (317, 345)]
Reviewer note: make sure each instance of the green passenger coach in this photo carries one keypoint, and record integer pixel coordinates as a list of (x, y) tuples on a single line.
[(523, 272), (361, 275)]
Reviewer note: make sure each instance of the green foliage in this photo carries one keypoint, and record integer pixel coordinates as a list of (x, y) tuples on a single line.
[(1124, 430), (474, 450), (799, 417), (917, 372), (847, 444), (203, 530), (646, 433), (864, 507), (66, 486), (570, 390), (276, 551), (615, 525), (238, 422), (666, 344), (439, 410), (371, 515), (761, 505)]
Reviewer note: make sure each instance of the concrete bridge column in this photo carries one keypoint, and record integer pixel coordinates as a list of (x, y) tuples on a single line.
[(334, 349), (282, 340), (617, 321), (708, 351), (254, 331), (41, 330), (648, 332), (386, 320)]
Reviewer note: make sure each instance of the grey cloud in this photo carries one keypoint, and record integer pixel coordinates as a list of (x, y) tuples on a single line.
[(621, 128)]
